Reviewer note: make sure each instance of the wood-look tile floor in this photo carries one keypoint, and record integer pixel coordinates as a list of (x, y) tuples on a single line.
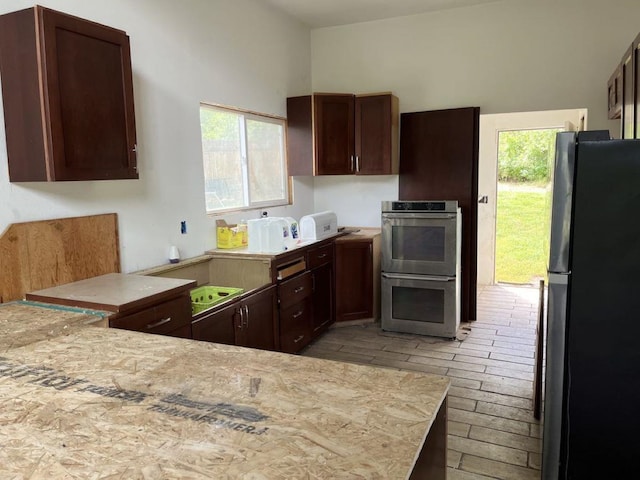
[(492, 431)]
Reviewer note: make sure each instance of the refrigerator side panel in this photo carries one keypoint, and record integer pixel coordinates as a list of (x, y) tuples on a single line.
[(553, 437), (562, 201)]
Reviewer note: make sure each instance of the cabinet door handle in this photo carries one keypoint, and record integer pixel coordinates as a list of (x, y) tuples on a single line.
[(352, 163), (241, 322), (298, 339), (246, 310), (296, 315), (357, 163), (298, 289), (158, 323)]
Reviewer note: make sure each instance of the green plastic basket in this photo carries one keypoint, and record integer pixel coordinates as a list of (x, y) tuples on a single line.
[(206, 297)]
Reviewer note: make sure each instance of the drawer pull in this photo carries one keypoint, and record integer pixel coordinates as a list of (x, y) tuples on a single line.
[(158, 323), (298, 289), (296, 315), (298, 339), (321, 256)]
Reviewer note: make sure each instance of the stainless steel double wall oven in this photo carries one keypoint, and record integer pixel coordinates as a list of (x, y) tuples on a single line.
[(421, 267)]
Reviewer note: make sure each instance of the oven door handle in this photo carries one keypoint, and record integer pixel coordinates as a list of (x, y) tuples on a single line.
[(424, 278), (419, 216)]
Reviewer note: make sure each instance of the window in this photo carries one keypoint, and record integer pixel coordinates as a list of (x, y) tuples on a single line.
[(244, 159)]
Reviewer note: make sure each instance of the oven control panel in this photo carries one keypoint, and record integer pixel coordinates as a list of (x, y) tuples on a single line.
[(444, 206)]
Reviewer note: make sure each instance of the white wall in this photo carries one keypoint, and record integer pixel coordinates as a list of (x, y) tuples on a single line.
[(238, 53), (507, 56)]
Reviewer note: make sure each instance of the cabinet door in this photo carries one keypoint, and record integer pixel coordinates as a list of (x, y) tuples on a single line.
[(334, 134), (90, 98), (354, 280), (628, 100), (614, 91), (376, 135), (218, 327), (323, 295), (636, 87), (257, 326)]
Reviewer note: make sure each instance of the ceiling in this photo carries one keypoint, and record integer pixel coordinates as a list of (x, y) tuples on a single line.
[(327, 13)]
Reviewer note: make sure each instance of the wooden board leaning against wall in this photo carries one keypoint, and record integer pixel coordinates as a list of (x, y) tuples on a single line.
[(46, 253)]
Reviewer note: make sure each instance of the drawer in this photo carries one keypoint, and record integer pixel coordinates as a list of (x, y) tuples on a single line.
[(320, 256), (295, 290), (160, 319), (295, 326)]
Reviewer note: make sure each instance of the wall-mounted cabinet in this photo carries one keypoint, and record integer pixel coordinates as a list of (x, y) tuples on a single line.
[(343, 134), (68, 98), (623, 91), (614, 90), (627, 102)]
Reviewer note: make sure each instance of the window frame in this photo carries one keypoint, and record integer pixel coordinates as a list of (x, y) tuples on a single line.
[(287, 179)]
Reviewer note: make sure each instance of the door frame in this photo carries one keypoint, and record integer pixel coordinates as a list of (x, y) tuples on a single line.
[(490, 127)]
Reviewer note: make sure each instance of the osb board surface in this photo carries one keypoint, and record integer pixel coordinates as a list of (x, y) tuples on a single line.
[(106, 403), (22, 324), (115, 292), (36, 255)]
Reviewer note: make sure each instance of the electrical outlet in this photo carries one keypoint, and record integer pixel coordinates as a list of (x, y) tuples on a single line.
[(183, 227)]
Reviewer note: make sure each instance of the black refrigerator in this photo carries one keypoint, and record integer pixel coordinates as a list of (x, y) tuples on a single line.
[(592, 375)]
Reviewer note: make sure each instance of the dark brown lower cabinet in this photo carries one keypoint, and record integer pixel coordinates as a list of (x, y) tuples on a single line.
[(296, 311), (322, 298), (247, 323), (295, 326), (354, 281), (171, 318), (358, 277), (259, 312)]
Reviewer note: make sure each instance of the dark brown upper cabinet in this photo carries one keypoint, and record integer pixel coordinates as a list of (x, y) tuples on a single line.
[(67, 90), (343, 134), (628, 81), (614, 91)]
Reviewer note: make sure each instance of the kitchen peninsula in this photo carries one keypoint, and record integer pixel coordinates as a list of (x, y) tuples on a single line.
[(81, 401)]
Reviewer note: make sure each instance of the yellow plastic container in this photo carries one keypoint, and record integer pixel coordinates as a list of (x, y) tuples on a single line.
[(206, 297), (230, 236)]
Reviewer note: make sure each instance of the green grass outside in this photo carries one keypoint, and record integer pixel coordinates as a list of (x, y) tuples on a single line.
[(522, 234)]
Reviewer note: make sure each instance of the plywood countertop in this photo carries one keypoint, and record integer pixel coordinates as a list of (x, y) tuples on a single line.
[(114, 292), (359, 233), (87, 402)]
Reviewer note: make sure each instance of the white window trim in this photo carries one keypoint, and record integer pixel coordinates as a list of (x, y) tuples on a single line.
[(265, 117)]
